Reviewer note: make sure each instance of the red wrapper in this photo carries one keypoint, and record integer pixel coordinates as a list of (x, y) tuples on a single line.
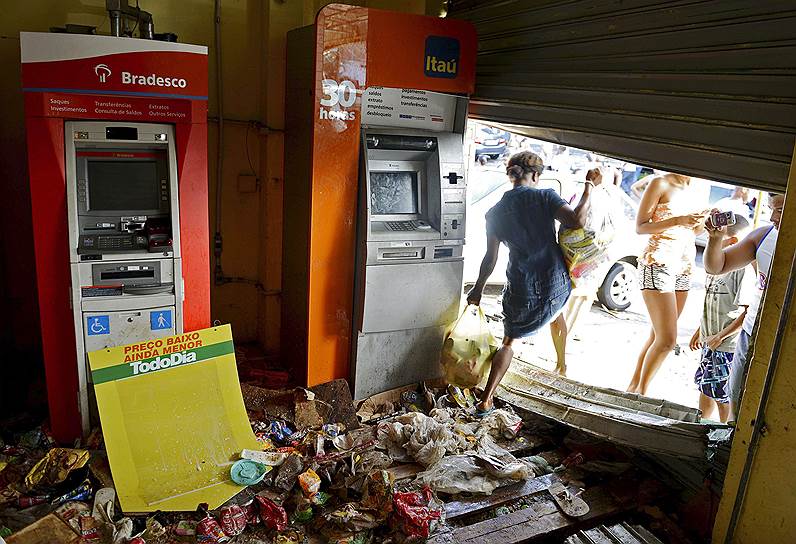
[(27, 502), (233, 520), (273, 515), (416, 512), (89, 529), (252, 513), (136, 540), (208, 531)]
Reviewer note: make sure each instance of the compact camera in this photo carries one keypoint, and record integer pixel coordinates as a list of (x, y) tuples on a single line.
[(722, 219)]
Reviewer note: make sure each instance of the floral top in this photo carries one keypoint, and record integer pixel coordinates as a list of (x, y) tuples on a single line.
[(674, 248)]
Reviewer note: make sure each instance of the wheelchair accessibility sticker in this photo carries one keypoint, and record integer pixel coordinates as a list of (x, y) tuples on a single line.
[(98, 324), (160, 320)]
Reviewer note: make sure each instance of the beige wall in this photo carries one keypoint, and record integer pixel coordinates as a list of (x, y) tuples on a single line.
[(253, 38)]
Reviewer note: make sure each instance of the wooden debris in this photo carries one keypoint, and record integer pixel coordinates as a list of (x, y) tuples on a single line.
[(48, 530), (501, 495), (542, 519)]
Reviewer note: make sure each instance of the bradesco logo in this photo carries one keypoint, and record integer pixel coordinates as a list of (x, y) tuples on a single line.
[(102, 72), (151, 80), (441, 57)]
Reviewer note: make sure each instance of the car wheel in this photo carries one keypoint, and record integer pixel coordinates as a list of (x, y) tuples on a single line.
[(617, 288), (482, 160)]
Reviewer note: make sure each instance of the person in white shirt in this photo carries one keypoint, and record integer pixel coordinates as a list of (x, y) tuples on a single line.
[(758, 246)]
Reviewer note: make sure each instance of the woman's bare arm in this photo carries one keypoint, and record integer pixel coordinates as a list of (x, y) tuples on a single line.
[(487, 267)]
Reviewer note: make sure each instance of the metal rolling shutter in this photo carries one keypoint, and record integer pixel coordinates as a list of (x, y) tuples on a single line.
[(706, 88)]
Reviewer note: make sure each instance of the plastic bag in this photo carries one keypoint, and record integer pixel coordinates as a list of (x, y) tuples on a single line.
[(480, 471), (417, 437), (468, 349), (586, 250)]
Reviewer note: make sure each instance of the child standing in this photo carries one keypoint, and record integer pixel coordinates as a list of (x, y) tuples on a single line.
[(722, 317)]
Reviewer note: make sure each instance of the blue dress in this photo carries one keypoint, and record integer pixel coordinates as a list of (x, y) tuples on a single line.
[(538, 283)]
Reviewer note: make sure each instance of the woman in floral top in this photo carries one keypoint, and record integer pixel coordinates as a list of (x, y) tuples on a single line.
[(666, 214)]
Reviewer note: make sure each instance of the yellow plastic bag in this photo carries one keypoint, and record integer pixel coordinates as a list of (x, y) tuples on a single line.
[(468, 349), (586, 250)]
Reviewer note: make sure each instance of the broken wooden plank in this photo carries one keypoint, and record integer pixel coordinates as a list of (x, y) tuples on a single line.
[(542, 519), (501, 495), (639, 430), (48, 530)]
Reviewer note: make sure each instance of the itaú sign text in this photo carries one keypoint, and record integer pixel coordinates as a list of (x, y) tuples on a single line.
[(153, 80)]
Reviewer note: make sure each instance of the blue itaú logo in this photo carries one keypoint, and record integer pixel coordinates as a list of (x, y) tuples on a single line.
[(442, 57)]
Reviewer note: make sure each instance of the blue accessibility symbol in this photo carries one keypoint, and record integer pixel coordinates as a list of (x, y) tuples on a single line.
[(160, 320), (98, 324)]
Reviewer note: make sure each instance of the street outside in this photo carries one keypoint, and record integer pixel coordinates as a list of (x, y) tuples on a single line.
[(603, 347)]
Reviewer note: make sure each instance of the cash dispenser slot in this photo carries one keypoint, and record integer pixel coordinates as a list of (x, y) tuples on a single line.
[(126, 274), (401, 253)]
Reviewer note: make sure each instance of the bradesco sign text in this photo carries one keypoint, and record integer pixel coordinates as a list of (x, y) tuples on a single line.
[(81, 64), (153, 80)]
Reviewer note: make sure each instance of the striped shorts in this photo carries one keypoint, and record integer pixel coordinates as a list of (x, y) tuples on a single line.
[(657, 277)]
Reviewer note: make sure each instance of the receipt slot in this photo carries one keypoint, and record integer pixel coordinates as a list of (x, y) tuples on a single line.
[(118, 183)]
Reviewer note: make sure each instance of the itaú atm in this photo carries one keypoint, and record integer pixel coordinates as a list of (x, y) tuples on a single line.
[(374, 220), (117, 158)]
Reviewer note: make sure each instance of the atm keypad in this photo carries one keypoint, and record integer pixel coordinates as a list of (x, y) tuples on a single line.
[(402, 225)]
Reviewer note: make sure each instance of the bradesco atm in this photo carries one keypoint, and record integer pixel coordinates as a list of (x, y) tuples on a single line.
[(117, 157), (123, 204), (374, 194)]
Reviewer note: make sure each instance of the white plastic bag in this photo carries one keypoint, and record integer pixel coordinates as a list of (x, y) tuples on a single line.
[(586, 250), (479, 471), (468, 349)]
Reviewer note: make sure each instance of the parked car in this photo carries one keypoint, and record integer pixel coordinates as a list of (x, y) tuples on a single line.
[(620, 281), (490, 143)]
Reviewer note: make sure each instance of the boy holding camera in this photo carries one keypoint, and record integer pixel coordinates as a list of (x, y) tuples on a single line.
[(723, 315)]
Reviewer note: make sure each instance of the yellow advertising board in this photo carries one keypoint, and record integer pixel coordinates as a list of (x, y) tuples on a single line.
[(173, 419)]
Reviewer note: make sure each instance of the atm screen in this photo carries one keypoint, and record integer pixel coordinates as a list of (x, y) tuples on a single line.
[(123, 185), (393, 193)]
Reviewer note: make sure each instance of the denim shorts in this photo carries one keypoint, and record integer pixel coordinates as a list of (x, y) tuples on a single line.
[(739, 369), (524, 314)]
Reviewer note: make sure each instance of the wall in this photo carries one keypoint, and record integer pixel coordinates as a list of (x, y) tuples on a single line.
[(253, 49)]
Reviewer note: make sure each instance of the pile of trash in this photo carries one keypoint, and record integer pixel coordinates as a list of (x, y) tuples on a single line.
[(315, 478)]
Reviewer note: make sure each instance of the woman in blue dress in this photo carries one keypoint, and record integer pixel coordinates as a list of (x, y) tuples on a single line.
[(537, 280)]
